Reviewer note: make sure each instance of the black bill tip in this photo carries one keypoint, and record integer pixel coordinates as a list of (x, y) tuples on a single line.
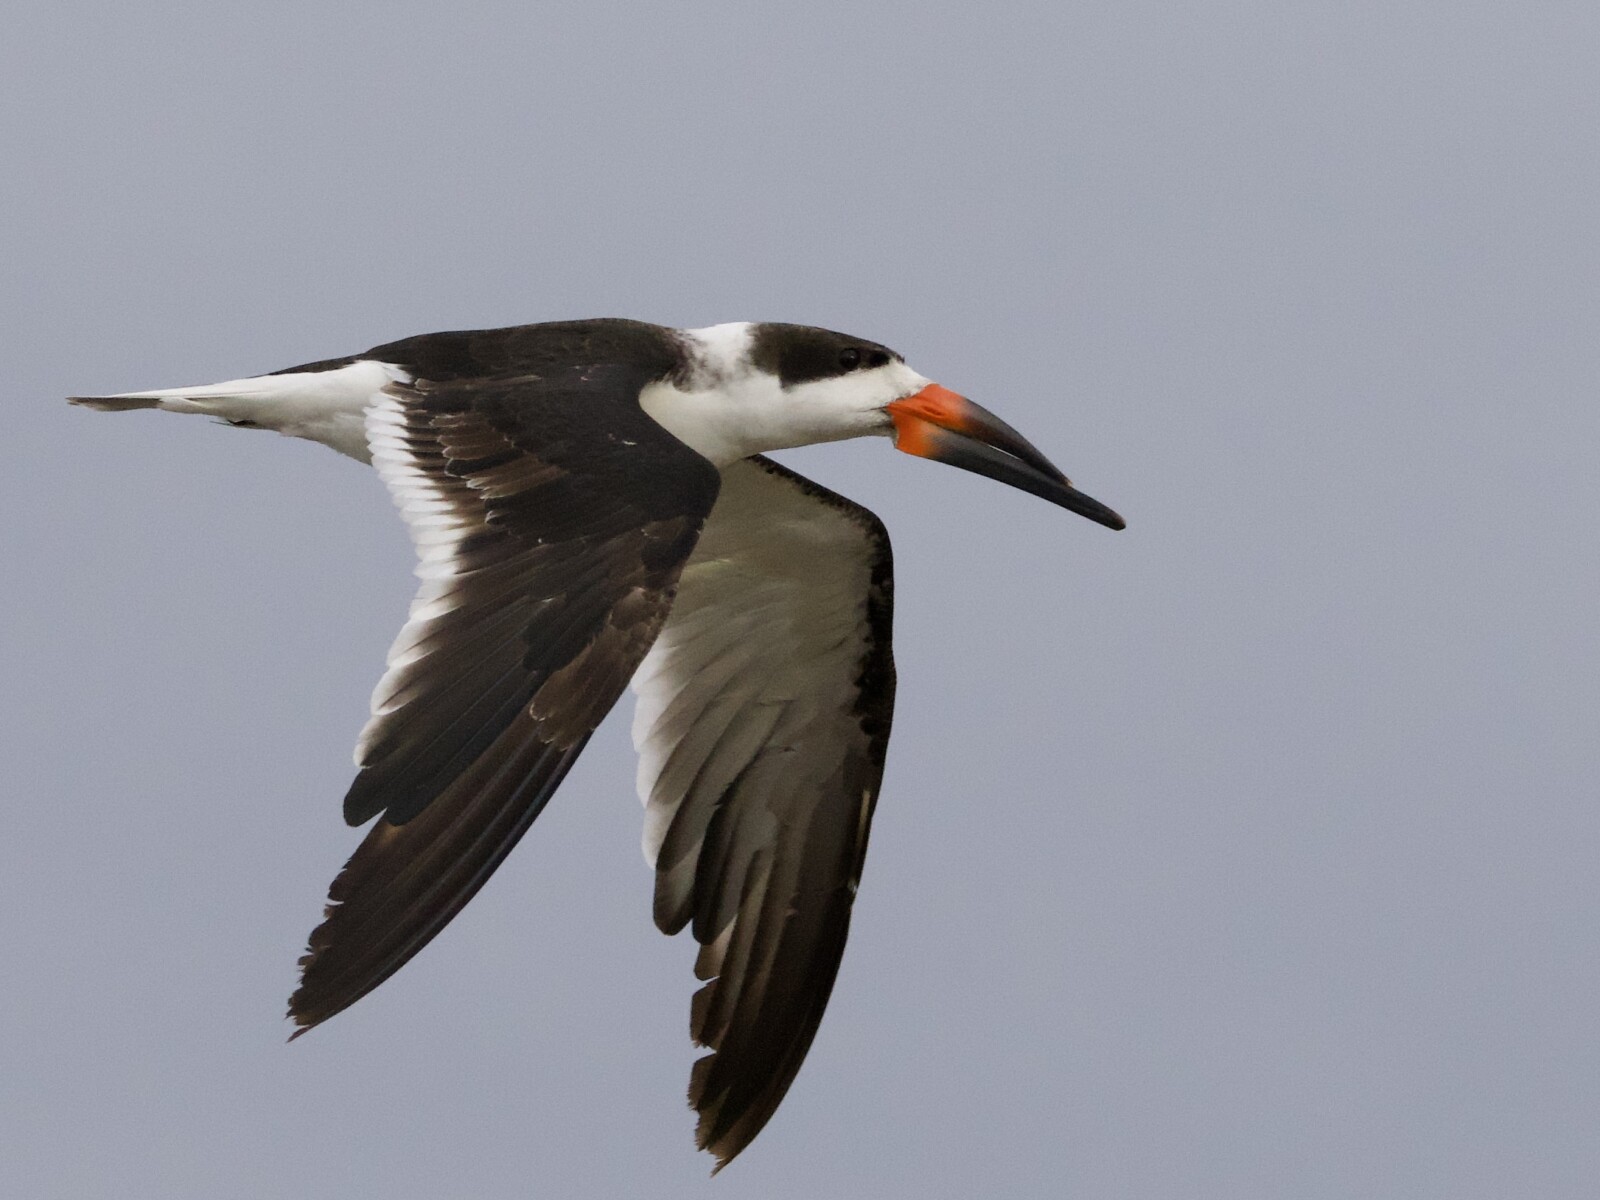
[(1088, 506), (1044, 481)]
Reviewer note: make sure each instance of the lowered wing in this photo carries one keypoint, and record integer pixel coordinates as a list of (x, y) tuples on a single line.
[(763, 717)]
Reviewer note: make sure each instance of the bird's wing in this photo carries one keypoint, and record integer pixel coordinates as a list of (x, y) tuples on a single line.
[(552, 518), (762, 720)]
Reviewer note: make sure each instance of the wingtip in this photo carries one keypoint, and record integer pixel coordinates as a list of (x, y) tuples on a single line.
[(710, 1134), (721, 1151), (304, 1023)]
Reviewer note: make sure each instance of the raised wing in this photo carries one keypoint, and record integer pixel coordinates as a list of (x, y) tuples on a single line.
[(763, 716), (552, 518)]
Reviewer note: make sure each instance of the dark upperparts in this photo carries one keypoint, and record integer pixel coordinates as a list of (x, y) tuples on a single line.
[(646, 351), (801, 353)]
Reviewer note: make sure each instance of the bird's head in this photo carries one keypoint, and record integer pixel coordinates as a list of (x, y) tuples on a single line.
[(759, 387)]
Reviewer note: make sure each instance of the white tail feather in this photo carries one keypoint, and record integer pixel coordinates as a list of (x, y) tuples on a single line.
[(324, 406)]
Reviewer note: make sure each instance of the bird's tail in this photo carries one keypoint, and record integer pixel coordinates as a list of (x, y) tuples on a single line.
[(325, 402), (115, 403), (237, 400)]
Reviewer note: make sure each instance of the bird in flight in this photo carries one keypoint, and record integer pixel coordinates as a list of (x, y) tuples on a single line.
[(591, 505)]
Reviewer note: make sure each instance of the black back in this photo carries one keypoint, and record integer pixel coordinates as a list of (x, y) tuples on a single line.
[(637, 349)]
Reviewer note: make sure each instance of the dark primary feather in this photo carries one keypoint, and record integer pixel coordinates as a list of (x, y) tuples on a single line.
[(770, 691), (553, 517)]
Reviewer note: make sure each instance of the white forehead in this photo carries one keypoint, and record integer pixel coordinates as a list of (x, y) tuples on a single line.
[(722, 351)]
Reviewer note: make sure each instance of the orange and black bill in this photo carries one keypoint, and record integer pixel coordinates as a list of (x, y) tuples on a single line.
[(936, 423)]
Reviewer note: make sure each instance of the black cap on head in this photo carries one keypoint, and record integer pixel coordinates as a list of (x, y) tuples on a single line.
[(802, 353)]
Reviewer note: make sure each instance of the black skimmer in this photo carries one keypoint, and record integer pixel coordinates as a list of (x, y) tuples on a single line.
[(590, 506)]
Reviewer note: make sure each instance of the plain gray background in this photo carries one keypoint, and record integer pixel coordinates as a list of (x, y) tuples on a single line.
[(1249, 853)]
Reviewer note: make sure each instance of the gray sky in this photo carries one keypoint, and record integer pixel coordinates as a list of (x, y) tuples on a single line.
[(1251, 853)]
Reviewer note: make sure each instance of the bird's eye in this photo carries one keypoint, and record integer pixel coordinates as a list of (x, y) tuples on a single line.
[(850, 359)]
